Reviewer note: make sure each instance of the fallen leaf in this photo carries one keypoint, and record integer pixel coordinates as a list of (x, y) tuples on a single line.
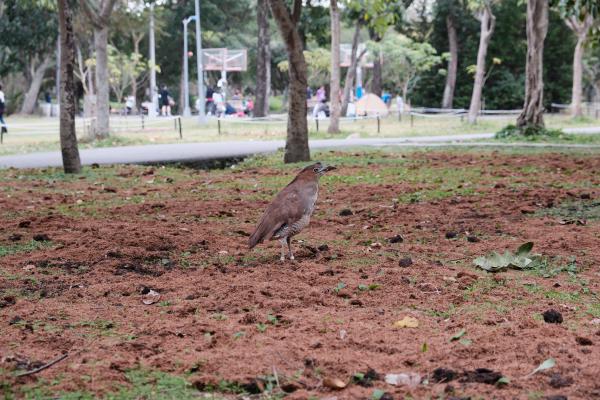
[(407, 322), (458, 335), (549, 363), (151, 297), (334, 383), (411, 379)]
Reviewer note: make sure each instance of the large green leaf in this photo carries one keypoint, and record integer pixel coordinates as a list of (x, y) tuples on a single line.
[(496, 262)]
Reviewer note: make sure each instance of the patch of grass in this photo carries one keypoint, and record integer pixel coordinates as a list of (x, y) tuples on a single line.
[(23, 248), (530, 133), (575, 210)]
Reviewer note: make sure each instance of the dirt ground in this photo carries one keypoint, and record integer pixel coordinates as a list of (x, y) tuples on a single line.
[(394, 235)]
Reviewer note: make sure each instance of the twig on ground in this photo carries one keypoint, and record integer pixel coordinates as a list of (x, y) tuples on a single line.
[(43, 367)]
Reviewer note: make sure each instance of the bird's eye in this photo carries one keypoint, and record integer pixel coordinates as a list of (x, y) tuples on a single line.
[(316, 169)]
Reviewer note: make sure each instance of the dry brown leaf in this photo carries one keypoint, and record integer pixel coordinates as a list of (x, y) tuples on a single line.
[(151, 297), (407, 322), (334, 383)]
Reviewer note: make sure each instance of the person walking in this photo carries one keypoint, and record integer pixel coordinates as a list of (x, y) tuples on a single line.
[(164, 102), (2, 107)]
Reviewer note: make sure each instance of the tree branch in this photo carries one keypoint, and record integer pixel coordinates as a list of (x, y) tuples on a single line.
[(107, 10), (91, 13), (297, 11)]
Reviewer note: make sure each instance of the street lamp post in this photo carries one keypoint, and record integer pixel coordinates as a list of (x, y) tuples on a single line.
[(153, 92), (201, 99), (186, 88)]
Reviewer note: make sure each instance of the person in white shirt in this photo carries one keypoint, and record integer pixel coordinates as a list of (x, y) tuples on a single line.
[(2, 106)]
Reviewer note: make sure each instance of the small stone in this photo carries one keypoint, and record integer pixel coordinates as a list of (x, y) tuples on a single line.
[(41, 237), (405, 262), (583, 341), (558, 381), (396, 239), (473, 239), (553, 317), (585, 196), (443, 375), (346, 212), (451, 235), (15, 237), (24, 224)]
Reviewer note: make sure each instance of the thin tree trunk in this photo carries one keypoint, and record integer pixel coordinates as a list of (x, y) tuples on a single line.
[(537, 28), (581, 30), (68, 138), (334, 121), (377, 77), (296, 147), (351, 72), (263, 61), (102, 86), (448, 98), (488, 21), (31, 96)]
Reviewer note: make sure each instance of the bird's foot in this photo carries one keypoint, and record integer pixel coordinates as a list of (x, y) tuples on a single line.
[(282, 258), (292, 258)]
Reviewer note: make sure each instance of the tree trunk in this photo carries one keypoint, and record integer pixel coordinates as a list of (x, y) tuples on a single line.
[(263, 61), (102, 86), (581, 30), (334, 120), (296, 147), (537, 28), (488, 21), (376, 78), (68, 138), (448, 98), (31, 96), (351, 72)]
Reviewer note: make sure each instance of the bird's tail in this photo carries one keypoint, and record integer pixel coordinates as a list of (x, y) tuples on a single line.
[(255, 238), (264, 231)]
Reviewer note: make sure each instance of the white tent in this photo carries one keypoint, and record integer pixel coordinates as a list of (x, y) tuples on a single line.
[(371, 105)]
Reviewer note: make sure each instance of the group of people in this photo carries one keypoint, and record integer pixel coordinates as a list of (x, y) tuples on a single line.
[(217, 104)]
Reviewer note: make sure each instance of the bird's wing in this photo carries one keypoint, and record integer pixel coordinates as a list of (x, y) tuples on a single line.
[(286, 208)]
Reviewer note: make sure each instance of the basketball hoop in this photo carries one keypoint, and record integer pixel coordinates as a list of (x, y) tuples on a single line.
[(224, 60), (346, 53)]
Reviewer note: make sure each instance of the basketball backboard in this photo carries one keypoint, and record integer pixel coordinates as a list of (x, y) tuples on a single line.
[(346, 52), (224, 60)]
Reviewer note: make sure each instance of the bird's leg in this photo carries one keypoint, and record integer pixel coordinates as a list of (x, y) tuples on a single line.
[(283, 243), (289, 245)]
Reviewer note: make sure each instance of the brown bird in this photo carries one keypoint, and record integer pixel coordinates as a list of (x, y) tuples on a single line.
[(291, 209)]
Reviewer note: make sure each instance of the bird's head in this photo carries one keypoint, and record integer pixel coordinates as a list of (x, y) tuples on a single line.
[(317, 169)]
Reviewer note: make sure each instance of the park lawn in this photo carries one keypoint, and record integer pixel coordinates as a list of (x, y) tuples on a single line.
[(78, 252), (32, 134)]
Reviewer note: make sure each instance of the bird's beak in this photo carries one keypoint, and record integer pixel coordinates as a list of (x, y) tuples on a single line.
[(327, 168)]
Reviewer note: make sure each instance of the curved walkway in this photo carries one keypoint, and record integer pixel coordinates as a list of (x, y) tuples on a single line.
[(199, 151)]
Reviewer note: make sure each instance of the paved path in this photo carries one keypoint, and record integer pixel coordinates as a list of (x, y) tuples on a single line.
[(186, 152)]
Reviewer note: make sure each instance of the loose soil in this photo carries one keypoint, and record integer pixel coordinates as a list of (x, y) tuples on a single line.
[(230, 319)]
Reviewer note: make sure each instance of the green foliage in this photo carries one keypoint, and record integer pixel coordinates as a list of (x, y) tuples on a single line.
[(504, 88), (28, 30), (318, 62), (531, 132), (405, 59), (22, 248)]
